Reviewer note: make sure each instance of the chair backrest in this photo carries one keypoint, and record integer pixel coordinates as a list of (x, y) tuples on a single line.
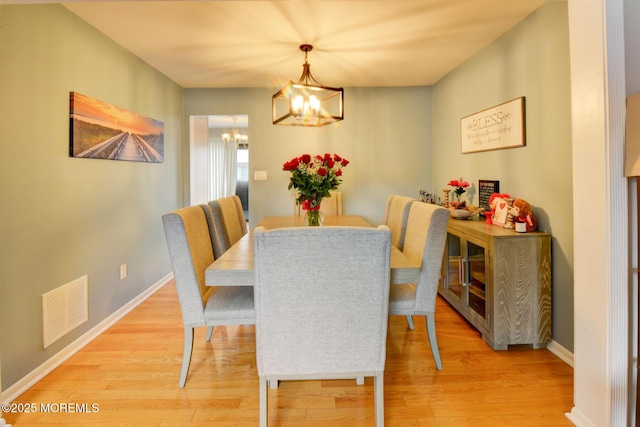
[(191, 253), (231, 225), (329, 206), (213, 229), (395, 217), (321, 297), (332, 205), (425, 240)]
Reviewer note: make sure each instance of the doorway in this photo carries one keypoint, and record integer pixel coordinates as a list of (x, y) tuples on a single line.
[(219, 158)]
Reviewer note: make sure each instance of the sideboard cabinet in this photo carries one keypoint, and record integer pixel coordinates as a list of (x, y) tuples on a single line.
[(500, 281)]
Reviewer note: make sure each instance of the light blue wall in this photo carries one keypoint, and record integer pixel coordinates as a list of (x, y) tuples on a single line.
[(61, 217), (532, 60), (386, 135)]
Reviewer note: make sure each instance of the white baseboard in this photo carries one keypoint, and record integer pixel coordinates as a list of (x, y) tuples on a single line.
[(578, 419), (565, 355), (56, 360)]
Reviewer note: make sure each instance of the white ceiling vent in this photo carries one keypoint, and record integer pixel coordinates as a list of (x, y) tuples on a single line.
[(63, 309)]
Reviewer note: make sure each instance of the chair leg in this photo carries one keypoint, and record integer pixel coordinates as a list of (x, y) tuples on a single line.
[(209, 333), (186, 354), (273, 384), (359, 380), (433, 342), (263, 402), (410, 321), (378, 384)]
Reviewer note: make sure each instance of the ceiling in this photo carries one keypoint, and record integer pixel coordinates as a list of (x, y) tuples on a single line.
[(254, 43)]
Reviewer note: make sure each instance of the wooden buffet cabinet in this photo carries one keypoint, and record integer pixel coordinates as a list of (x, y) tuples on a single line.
[(500, 281)]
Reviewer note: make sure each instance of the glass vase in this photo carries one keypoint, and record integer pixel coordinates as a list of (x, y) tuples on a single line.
[(313, 217)]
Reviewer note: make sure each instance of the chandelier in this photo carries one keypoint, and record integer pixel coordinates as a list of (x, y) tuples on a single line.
[(307, 102), (241, 139)]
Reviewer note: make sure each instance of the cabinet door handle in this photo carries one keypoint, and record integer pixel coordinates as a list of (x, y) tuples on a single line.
[(464, 272)]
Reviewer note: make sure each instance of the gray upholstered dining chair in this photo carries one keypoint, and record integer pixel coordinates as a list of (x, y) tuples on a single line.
[(230, 222), (329, 206), (321, 298), (332, 205), (425, 240), (213, 230), (395, 216), (190, 251)]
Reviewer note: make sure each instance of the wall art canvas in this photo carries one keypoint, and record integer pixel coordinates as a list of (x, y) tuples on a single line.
[(99, 130), (502, 126)]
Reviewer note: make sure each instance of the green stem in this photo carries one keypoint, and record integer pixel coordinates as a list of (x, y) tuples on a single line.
[(313, 217)]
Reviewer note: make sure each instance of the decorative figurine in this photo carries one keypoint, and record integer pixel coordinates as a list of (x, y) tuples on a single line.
[(509, 223), (522, 213)]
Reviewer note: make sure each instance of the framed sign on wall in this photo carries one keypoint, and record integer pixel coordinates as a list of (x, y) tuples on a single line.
[(502, 126)]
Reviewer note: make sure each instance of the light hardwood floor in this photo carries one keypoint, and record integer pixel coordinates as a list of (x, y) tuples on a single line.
[(131, 373)]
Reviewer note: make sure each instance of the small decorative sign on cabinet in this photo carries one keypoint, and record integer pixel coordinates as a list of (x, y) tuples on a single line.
[(485, 189)]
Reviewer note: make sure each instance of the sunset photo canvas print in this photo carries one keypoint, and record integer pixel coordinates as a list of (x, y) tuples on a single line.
[(99, 130)]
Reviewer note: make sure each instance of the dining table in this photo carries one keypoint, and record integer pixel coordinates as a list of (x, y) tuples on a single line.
[(235, 266)]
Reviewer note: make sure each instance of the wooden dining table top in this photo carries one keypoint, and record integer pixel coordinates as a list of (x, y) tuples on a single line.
[(235, 266)]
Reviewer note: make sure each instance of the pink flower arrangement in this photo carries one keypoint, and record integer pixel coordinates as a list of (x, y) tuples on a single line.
[(460, 186)]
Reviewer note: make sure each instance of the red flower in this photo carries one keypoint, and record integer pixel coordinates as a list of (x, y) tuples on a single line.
[(322, 172), (345, 162), (306, 205), (460, 183), (330, 163), (460, 186), (337, 158), (339, 172), (291, 165), (305, 158)]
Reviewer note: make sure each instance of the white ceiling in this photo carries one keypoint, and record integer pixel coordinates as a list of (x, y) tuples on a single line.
[(227, 123), (255, 43)]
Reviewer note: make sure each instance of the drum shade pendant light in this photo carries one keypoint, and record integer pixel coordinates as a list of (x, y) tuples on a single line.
[(307, 102)]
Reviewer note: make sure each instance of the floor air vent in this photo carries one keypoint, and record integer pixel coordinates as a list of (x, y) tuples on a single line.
[(63, 309)]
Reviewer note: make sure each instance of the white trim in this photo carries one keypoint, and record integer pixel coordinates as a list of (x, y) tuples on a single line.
[(596, 33), (563, 354), (56, 360), (579, 419), (618, 341)]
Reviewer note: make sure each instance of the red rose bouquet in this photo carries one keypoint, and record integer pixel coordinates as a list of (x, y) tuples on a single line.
[(313, 177)]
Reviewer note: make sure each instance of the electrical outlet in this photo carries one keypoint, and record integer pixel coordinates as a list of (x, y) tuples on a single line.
[(123, 271)]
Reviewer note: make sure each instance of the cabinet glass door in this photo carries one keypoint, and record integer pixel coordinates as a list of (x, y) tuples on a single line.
[(475, 280), (454, 265)]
